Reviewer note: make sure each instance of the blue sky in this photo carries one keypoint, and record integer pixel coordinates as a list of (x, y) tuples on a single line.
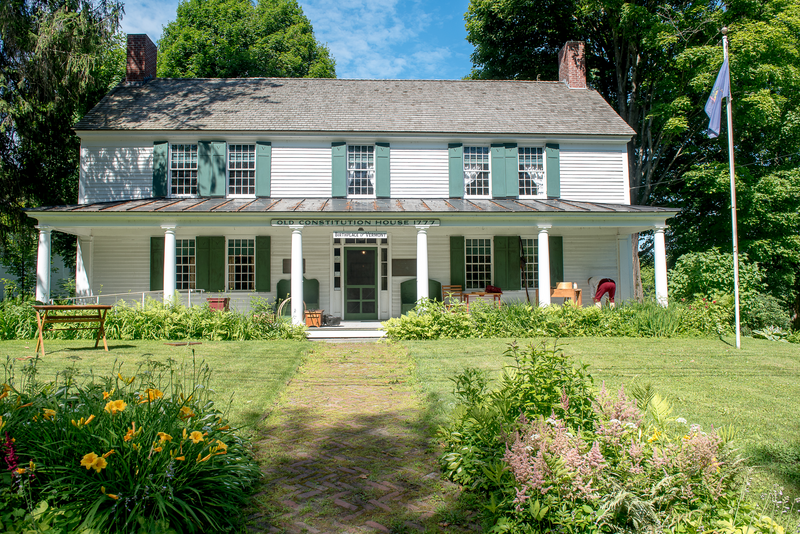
[(405, 39)]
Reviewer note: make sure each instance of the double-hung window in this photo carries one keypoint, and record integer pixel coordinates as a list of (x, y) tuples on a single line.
[(360, 171), (183, 170), (241, 265), (478, 263), (530, 253), (241, 170), (531, 172), (185, 264), (476, 171)]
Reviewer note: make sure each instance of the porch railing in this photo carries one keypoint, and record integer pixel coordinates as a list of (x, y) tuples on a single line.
[(95, 299)]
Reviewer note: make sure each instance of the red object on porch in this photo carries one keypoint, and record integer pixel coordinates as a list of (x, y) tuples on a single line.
[(219, 303)]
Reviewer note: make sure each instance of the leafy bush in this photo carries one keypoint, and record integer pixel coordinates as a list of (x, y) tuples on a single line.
[(546, 453), (431, 320), (148, 451), (710, 275), (157, 320), (760, 310)]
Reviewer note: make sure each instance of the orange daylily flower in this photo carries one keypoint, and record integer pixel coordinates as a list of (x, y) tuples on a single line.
[(92, 461), (82, 422), (113, 407), (220, 448), (103, 490), (186, 412), (199, 459), (48, 414), (150, 395), (196, 436), (163, 436)]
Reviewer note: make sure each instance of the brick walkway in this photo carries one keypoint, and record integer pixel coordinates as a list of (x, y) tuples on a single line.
[(347, 450)]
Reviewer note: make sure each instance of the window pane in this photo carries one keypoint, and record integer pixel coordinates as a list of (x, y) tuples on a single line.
[(531, 171), (184, 264), (476, 170), (241, 264), (183, 170), (478, 263), (530, 250), (242, 170), (360, 170)]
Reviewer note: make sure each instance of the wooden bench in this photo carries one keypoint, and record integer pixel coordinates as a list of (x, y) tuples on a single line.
[(58, 314)]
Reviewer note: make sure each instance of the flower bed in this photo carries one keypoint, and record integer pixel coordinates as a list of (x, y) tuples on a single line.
[(146, 450)]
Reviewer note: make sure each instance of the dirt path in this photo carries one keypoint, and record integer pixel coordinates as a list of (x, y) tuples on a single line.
[(347, 450)]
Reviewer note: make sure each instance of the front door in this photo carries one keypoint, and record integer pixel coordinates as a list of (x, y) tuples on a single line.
[(361, 284)]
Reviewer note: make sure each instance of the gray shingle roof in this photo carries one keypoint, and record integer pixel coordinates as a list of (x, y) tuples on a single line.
[(370, 106), (342, 205)]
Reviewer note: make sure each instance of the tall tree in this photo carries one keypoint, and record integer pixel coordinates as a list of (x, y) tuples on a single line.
[(236, 38), (57, 59)]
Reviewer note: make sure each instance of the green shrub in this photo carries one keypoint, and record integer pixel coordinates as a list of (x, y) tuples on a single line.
[(761, 310), (710, 275), (143, 451), (431, 320), (157, 320), (547, 453)]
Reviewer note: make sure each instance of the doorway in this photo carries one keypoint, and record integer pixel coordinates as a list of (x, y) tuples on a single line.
[(361, 284)]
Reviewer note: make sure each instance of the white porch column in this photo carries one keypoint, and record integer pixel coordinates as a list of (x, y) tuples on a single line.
[(625, 280), (83, 266), (297, 275), (660, 257), (43, 265), (544, 265), (169, 263), (422, 262)]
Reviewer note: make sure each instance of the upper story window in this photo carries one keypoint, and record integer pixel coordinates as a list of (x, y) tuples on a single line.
[(531, 172), (241, 170), (360, 170), (183, 170), (476, 171)]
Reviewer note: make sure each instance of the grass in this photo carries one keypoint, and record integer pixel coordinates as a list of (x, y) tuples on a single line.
[(249, 375), (708, 382)]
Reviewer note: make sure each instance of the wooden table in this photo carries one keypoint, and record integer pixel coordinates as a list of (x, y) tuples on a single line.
[(573, 294), (92, 313), (482, 296)]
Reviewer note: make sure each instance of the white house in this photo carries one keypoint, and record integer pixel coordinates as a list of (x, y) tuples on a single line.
[(232, 185)]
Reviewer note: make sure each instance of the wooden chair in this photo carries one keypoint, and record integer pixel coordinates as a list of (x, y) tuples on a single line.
[(452, 294)]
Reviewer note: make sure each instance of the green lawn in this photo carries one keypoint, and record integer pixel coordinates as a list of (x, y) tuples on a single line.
[(708, 381), (249, 374)]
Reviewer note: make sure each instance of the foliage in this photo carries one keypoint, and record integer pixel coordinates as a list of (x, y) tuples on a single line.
[(239, 38), (157, 321), (121, 453), (761, 311), (772, 333), (624, 465), (432, 320), (57, 59), (709, 274)]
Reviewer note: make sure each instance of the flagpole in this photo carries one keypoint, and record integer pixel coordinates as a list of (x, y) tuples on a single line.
[(733, 201)]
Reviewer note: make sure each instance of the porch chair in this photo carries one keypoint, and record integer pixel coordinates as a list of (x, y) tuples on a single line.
[(452, 293)]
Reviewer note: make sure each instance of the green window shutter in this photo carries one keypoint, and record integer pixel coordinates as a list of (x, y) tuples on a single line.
[(512, 170), (556, 260), (498, 176), (339, 169), (506, 263), (553, 171), (210, 263), (160, 181), (263, 169), (456, 170), (156, 263), (457, 274), (383, 183), (263, 263), (211, 168)]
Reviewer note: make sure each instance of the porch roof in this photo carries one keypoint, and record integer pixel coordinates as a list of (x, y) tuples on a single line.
[(394, 206)]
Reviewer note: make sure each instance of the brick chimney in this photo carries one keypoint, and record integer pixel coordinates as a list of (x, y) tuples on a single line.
[(572, 65), (142, 58)]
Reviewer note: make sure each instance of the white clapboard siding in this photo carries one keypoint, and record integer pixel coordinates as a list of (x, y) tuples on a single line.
[(594, 173), (585, 257), (115, 173), (120, 265), (419, 171), (316, 252), (301, 171)]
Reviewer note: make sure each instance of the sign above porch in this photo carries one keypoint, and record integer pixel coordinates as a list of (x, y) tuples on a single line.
[(360, 235), (355, 222)]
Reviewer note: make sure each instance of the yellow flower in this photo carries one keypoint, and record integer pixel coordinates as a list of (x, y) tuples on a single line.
[(150, 395), (163, 436), (2, 423), (6, 389), (92, 461), (20, 471), (103, 489), (199, 459), (186, 413), (135, 446), (196, 436), (654, 437), (48, 414), (132, 432), (31, 465), (156, 449), (109, 453), (181, 458), (107, 394), (220, 448), (126, 380), (116, 406)]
